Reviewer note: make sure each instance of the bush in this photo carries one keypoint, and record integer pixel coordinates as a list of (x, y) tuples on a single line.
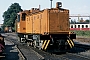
[(82, 33)]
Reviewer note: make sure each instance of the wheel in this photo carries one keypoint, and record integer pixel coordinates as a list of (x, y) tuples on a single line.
[(19, 38), (28, 43), (34, 43)]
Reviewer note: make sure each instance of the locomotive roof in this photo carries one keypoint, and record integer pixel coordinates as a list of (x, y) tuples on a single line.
[(38, 10)]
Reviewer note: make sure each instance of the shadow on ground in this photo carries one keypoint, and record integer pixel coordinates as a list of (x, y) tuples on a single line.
[(10, 53)]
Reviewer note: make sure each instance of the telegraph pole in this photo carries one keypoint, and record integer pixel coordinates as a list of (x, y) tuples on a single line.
[(51, 3)]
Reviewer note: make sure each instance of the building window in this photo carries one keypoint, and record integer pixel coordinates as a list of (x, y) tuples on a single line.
[(71, 26), (82, 26), (78, 26), (75, 26), (86, 26)]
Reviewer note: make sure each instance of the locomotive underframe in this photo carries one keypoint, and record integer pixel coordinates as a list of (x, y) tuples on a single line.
[(51, 42)]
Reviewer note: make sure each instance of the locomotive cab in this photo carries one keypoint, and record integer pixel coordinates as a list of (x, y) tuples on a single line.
[(21, 16), (20, 28)]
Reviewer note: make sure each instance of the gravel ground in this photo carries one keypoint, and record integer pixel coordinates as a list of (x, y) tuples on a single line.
[(27, 52), (32, 55), (83, 40), (86, 53)]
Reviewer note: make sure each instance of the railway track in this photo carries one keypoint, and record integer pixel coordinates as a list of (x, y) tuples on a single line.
[(48, 56), (24, 50), (60, 56), (11, 51), (71, 56), (82, 46), (21, 54)]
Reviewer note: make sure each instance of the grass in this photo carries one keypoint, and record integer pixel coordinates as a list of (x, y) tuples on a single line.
[(82, 33)]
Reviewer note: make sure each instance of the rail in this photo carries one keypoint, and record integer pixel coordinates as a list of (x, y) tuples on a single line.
[(23, 57)]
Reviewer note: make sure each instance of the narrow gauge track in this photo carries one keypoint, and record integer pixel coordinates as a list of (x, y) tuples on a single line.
[(48, 56)]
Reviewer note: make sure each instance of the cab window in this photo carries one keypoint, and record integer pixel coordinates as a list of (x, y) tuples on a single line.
[(18, 18), (23, 16)]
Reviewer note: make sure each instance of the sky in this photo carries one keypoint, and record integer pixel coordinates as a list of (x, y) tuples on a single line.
[(74, 6)]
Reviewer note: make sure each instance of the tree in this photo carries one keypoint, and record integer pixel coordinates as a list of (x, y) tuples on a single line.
[(87, 20), (0, 29), (73, 21), (11, 14)]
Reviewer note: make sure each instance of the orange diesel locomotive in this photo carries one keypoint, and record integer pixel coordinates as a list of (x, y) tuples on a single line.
[(46, 29)]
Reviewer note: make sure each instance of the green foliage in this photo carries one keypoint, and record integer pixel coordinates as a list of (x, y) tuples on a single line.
[(87, 20), (0, 29), (82, 33), (73, 21), (11, 14)]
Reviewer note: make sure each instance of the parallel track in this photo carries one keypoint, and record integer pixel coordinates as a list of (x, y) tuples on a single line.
[(49, 56), (59, 56), (21, 55), (82, 46)]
